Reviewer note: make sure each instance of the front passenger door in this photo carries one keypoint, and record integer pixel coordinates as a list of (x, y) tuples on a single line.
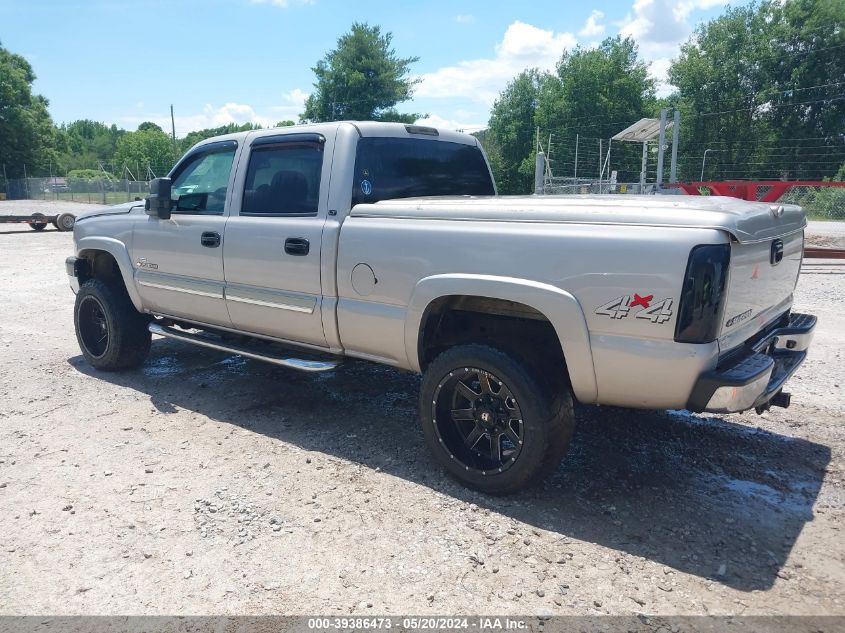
[(179, 262)]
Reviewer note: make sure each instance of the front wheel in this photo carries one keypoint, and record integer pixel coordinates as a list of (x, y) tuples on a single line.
[(489, 421), (111, 333)]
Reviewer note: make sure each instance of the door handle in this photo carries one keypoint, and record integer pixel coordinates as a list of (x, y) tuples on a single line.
[(297, 246), (211, 239)]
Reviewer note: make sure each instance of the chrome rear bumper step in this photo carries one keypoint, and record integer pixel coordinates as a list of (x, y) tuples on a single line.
[(232, 348)]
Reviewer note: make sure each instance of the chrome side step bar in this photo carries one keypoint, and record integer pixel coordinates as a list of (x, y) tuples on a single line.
[(231, 348)]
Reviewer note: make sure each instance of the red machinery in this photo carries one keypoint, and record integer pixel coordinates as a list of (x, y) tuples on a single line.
[(749, 189)]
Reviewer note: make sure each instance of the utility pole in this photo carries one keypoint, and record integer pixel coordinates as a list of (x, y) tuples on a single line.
[(676, 130), (662, 142), (600, 153), (644, 167), (173, 132), (575, 175)]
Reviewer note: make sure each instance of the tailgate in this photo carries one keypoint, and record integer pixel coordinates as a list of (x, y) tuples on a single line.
[(762, 279)]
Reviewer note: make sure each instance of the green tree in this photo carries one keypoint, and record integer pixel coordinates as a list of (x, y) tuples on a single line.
[(593, 93), (140, 149), (285, 123), (510, 137), (88, 143), (192, 138), (361, 79), (762, 85), (27, 134), (149, 126)]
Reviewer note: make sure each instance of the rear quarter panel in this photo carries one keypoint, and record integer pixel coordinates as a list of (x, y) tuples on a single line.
[(636, 361)]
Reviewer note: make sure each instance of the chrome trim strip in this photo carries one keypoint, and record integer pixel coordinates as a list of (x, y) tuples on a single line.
[(271, 298), (293, 363), (185, 290), (269, 304), (199, 287)]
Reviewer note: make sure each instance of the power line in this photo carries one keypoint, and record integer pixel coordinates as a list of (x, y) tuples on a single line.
[(838, 97)]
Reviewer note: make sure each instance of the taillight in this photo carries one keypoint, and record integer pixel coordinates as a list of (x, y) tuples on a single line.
[(703, 294)]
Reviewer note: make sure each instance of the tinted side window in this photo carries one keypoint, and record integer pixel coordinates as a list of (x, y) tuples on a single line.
[(200, 184), (283, 179), (388, 168)]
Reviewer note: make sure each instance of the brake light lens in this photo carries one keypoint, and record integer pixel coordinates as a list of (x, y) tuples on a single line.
[(703, 295)]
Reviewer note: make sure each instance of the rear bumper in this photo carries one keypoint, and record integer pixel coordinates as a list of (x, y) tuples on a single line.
[(753, 375)]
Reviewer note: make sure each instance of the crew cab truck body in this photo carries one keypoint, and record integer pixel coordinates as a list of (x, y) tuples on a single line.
[(304, 245)]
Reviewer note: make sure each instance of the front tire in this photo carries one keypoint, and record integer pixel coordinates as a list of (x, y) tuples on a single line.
[(490, 422), (111, 333)]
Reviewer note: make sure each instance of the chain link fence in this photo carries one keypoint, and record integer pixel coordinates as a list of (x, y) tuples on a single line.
[(586, 188), (94, 190), (819, 202)]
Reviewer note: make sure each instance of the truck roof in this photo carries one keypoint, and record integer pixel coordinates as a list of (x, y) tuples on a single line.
[(364, 129)]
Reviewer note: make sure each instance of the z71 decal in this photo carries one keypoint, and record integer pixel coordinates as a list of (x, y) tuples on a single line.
[(620, 307)]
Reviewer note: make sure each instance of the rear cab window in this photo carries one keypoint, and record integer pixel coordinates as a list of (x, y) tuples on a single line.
[(390, 168)]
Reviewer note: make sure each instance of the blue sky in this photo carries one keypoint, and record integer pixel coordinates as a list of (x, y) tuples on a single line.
[(221, 61)]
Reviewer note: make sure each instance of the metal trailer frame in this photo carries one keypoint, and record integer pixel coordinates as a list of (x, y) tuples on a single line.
[(39, 221)]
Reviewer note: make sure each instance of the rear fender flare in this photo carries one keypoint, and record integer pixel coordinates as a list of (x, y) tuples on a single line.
[(558, 306)]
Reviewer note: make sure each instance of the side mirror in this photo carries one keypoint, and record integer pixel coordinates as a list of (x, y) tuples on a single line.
[(158, 202)]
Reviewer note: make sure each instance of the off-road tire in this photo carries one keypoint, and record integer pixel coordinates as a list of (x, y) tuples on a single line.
[(548, 419), (128, 339)]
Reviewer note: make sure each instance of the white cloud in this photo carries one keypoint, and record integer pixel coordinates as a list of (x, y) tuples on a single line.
[(591, 27), (660, 27), (465, 19), (523, 46), (291, 106)]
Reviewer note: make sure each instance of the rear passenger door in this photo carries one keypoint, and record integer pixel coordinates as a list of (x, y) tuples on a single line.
[(273, 238)]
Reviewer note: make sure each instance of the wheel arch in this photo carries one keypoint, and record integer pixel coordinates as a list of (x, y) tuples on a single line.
[(552, 304), (103, 251)]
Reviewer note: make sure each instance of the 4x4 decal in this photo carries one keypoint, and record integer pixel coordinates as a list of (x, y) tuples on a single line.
[(620, 307)]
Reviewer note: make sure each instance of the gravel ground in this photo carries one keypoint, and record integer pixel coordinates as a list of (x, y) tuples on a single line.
[(826, 234), (207, 484)]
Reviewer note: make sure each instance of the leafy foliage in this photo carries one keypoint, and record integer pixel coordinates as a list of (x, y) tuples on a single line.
[(144, 148), (596, 90), (27, 135), (192, 138), (509, 141), (361, 79), (88, 142), (762, 85)]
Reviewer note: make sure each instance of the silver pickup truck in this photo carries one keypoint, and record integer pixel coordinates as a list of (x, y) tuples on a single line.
[(387, 242)]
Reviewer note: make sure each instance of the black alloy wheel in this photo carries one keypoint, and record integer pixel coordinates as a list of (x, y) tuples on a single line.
[(93, 326), (478, 420)]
